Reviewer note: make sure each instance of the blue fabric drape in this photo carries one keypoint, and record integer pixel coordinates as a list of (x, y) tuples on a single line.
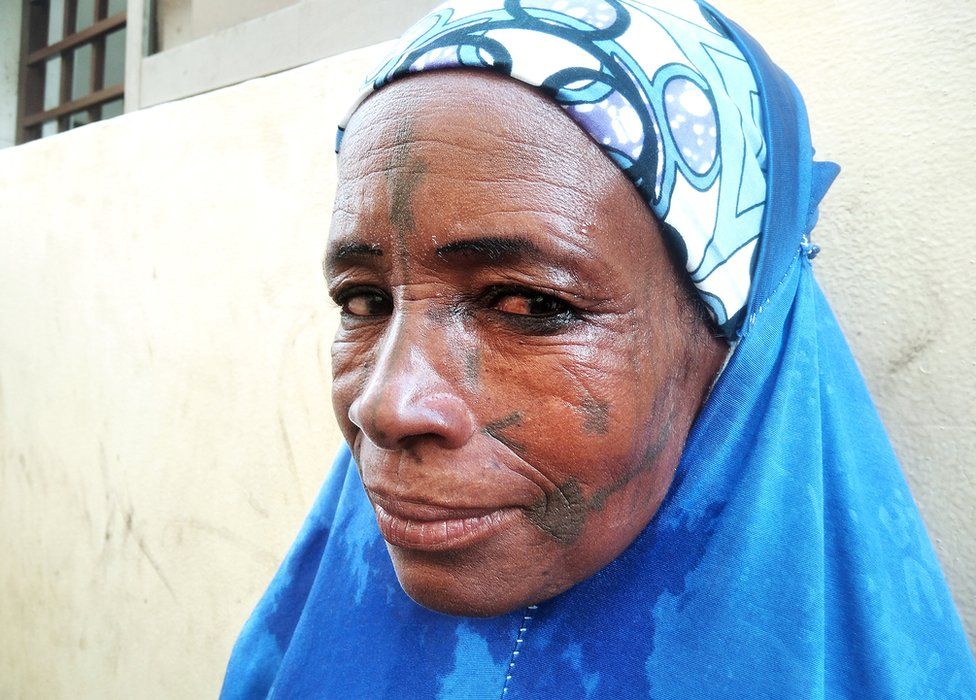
[(788, 560)]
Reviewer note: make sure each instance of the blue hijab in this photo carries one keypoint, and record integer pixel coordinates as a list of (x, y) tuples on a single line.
[(787, 561)]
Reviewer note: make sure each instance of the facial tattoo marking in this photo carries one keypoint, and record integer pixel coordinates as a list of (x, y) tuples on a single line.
[(596, 416), (561, 514), (472, 368), (664, 401), (496, 430), (404, 173)]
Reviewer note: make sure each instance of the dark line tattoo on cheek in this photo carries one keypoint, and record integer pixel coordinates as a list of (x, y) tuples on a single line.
[(496, 429), (596, 417), (560, 514), (648, 459), (472, 368)]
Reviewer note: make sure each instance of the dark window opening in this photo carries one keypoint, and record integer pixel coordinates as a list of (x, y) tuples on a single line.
[(72, 65)]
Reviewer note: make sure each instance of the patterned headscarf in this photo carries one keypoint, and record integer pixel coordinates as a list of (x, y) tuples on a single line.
[(659, 86)]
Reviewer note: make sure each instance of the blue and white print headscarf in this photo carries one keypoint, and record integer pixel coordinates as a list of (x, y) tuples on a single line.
[(654, 84), (788, 559)]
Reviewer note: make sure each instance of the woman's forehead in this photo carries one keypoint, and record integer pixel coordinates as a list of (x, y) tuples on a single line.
[(504, 124), (424, 171)]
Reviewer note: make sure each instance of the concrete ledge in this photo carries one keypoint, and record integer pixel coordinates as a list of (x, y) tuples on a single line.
[(287, 38)]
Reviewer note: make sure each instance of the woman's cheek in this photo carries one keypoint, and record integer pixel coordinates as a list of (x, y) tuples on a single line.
[(351, 365), (570, 414), (602, 411)]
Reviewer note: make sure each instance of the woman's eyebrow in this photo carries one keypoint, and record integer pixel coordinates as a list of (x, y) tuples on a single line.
[(349, 253), (488, 251), (491, 249)]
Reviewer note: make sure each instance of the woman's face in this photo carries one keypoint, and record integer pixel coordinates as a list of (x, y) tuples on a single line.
[(518, 363)]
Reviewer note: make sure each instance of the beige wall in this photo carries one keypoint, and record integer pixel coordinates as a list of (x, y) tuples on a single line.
[(9, 70), (164, 402), (164, 334), (180, 21)]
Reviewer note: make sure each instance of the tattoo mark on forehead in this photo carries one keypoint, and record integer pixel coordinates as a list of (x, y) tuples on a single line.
[(561, 513), (596, 417), (404, 172), (403, 175), (496, 429)]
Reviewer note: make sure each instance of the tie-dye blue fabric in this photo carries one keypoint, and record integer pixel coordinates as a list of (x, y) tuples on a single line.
[(658, 85), (788, 560)]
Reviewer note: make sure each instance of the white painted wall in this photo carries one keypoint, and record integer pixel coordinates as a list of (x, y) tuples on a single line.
[(165, 418), (164, 334), (9, 69)]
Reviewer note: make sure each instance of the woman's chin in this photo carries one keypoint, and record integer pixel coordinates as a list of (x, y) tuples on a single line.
[(458, 603), (442, 583)]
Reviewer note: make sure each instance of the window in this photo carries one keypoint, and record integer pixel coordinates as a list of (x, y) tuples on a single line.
[(72, 65)]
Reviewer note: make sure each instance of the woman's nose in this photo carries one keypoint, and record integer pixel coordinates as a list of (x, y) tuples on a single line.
[(408, 398)]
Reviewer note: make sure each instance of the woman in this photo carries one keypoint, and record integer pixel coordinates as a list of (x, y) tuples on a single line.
[(608, 438)]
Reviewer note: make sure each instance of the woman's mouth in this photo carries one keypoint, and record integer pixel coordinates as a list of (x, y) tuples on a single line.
[(437, 529)]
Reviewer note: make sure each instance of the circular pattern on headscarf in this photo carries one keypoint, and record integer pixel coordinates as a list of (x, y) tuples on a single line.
[(691, 120), (667, 96)]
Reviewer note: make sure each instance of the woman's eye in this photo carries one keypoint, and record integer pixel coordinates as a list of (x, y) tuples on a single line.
[(533, 312), (530, 304), (365, 304)]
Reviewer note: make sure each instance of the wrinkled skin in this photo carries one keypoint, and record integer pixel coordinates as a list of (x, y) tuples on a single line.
[(515, 347)]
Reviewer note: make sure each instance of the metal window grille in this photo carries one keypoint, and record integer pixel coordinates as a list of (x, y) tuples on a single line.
[(65, 80)]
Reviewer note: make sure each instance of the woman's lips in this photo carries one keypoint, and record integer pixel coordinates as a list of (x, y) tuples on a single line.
[(438, 529)]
